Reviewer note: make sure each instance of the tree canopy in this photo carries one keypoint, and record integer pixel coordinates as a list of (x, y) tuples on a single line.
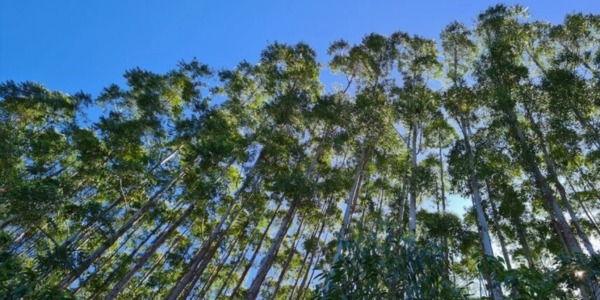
[(265, 181)]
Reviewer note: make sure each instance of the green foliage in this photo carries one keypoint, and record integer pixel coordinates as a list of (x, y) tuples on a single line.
[(385, 266), (554, 281), (17, 281), (189, 182)]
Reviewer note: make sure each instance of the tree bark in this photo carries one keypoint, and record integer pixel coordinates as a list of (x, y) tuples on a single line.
[(112, 275), (495, 217), (255, 254), (562, 226), (553, 176), (190, 272), (231, 272), (288, 260), (285, 224), (412, 201), (542, 184), (290, 295), (147, 274), (197, 273), (401, 202), (144, 258), (270, 256), (310, 263), (443, 189), (584, 208), (493, 285), (523, 240), (86, 227), (124, 228), (7, 222), (352, 197), (206, 288)]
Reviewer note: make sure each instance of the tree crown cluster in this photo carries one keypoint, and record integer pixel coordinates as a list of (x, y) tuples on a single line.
[(261, 182)]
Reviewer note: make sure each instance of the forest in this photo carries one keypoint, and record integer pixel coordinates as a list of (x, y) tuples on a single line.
[(271, 181)]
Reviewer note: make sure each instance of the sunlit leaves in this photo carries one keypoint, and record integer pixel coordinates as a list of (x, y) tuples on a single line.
[(516, 119)]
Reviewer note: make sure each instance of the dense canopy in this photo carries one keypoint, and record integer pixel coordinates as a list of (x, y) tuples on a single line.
[(264, 181)]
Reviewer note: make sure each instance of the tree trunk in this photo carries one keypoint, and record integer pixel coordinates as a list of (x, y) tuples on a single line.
[(231, 272), (495, 217), (197, 273), (575, 219), (553, 176), (523, 240), (352, 197), (589, 183), (86, 227), (124, 228), (270, 256), (132, 234), (288, 260), (542, 184), (115, 271), (310, 279), (310, 263), (144, 258), (412, 201), (285, 224), (584, 208), (290, 295), (147, 274), (443, 189), (493, 285), (190, 272), (446, 251), (108, 260), (587, 126), (206, 288), (7, 222), (401, 202), (255, 254)]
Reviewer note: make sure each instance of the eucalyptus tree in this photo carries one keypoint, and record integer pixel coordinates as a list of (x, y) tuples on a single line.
[(206, 178), (238, 237), (136, 118), (556, 140), (462, 104), (37, 130), (577, 40), (576, 60), (218, 138), (416, 103), (310, 246), (291, 80), (287, 261), (238, 119), (171, 187), (554, 166), (37, 126), (255, 253), (500, 68), (505, 73), (369, 64), (439, 134), (385, 266)]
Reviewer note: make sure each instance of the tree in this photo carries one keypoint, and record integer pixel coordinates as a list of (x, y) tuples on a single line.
[(262, 181)]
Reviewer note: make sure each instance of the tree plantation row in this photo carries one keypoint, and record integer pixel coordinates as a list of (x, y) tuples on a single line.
[(264, 182)]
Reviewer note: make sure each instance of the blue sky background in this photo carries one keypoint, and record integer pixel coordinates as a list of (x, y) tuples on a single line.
[(86, 45)]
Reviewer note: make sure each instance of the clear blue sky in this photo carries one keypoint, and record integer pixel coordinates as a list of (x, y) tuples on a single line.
[(86, 45)]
